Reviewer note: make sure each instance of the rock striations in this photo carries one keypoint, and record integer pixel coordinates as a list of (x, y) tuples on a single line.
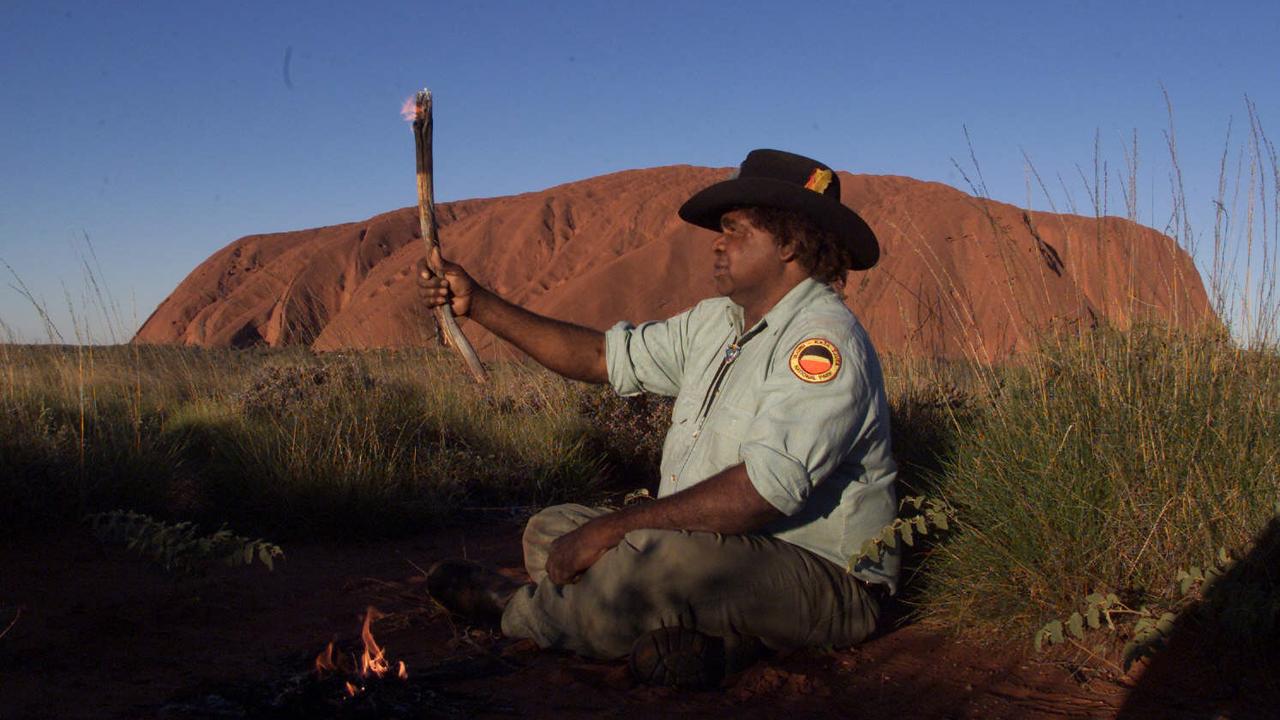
[(959, 276)]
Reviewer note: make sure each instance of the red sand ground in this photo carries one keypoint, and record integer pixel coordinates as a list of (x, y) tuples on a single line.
[(105, 634), (959, 276)]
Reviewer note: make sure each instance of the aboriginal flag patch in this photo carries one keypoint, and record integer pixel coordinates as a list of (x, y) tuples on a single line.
[(815, 360)]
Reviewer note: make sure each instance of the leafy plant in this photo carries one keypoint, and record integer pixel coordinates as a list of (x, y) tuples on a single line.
[(1152, 627), (927, 513), (179, 546), (629, 431)]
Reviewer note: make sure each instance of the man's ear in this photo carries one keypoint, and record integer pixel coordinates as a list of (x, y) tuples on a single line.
[(787, 252)]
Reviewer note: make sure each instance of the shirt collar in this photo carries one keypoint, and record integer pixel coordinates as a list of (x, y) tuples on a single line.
[(806, 291)]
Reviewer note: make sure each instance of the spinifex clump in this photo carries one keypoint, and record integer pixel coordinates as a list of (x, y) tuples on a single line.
[(1107, 464)]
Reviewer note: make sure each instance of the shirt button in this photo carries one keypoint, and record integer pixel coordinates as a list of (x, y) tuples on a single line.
[(673, 478), (695, 434)]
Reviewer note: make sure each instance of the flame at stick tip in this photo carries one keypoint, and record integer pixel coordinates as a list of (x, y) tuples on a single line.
[(409, 110), (413, 105)]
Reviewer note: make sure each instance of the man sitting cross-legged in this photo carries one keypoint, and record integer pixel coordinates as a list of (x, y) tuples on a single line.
[(775, 471)]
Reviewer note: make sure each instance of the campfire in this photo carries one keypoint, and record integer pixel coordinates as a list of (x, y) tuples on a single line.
[(356, 681), (372, 665)]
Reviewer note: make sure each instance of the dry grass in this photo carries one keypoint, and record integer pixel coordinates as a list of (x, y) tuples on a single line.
[(1106, 467), (1109, 460), (288, 441)]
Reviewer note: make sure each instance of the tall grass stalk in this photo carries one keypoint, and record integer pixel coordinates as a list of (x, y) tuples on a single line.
[(1119, 459), (1109, 460)]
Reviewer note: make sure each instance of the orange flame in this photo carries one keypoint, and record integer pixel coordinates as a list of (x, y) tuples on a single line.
[(409, 110), (374, 659), (324, 661)]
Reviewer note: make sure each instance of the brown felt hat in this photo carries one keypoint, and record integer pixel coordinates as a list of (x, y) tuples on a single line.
[(777, 179)]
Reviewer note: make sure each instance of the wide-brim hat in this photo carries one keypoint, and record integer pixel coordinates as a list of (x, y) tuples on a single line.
[(777, 179)]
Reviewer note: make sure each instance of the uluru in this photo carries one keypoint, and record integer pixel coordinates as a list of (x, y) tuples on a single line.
[(959, 276)]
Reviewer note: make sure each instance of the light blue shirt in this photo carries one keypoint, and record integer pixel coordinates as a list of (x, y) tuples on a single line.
[(815, 444)]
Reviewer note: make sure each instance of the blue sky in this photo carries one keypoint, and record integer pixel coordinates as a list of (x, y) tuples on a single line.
[(163, 131)]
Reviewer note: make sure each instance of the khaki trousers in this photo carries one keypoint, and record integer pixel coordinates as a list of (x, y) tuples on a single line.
[(728, 586)]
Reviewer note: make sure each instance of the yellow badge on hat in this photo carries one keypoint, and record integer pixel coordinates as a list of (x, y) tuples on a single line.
[(815, 361), (818, 181)]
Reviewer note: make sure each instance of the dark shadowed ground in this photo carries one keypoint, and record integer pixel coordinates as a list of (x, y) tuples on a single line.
[(104, 634)]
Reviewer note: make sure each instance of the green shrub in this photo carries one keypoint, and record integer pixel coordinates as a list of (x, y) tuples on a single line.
[(1104, 465), (181, 547), (630, 432)]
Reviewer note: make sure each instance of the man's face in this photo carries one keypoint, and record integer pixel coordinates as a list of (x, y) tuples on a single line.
[(748, 259)]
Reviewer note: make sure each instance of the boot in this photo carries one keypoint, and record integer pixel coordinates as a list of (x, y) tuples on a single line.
[(689, 660), (470, 590)]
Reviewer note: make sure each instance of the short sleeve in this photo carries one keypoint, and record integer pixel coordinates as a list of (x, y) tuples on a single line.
[(649, 357), (807, 422)]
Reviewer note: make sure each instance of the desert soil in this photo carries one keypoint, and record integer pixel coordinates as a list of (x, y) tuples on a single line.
[(105, 634)]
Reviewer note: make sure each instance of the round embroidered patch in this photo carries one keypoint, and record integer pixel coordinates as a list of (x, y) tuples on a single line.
[(815, 360)]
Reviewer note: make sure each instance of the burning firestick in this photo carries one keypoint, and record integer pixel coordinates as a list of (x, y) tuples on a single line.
[(427, 219)]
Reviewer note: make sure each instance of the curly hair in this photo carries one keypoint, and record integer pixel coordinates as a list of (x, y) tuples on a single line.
[(817, 249)]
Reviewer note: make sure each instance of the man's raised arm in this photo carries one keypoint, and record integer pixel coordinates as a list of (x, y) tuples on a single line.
[(573, 351)]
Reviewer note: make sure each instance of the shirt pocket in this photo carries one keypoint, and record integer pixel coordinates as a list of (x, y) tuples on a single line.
[(725, 428)]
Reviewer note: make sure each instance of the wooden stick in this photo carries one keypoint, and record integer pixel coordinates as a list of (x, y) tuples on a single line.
[(427, 219), (15, 622)]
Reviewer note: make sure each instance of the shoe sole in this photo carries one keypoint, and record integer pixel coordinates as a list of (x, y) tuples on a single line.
[(679, 658)]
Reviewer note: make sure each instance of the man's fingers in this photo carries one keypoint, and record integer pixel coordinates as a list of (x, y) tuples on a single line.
[(557, 568), (432, 290), (566, 563), (561, 577)]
